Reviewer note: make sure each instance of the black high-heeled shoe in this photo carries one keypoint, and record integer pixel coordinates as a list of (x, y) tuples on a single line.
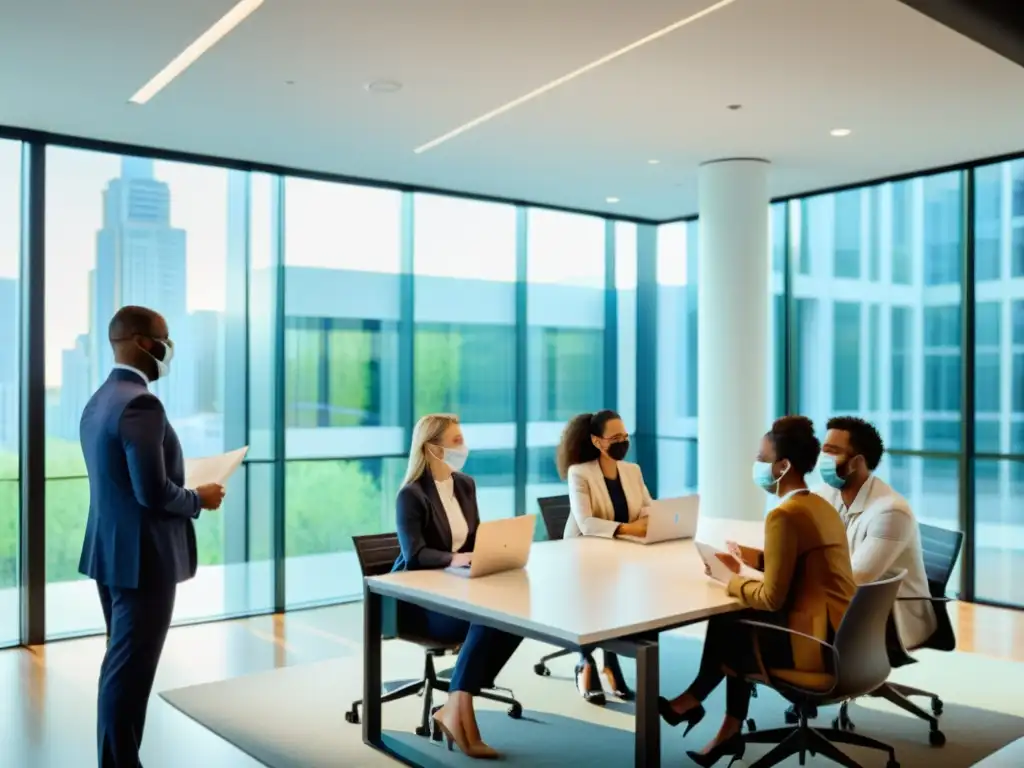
[(733, 746), (691, 716)]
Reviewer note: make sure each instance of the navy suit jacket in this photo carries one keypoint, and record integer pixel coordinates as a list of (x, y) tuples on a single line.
[(422, 524), (139, 532)]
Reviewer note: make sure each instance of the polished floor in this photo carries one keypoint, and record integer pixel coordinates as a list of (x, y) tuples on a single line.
[(47, 693)]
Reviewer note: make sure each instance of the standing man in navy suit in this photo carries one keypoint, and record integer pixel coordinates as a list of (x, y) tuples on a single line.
[(139, 539)]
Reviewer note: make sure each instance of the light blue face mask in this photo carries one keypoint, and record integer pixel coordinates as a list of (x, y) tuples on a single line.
[(830, 472), (764, 478)]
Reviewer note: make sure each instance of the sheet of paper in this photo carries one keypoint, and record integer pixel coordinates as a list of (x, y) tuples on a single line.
[(213, 469), (720, 571)]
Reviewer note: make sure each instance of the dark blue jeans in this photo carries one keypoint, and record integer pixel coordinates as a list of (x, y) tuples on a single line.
[(484, 652)]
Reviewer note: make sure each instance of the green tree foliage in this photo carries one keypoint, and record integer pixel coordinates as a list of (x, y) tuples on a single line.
[(326, 503)]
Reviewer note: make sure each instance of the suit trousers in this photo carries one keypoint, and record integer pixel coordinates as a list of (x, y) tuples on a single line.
[(137, 622), (484, 651)]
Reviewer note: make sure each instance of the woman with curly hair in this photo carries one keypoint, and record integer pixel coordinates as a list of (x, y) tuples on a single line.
[(607, 498), (807, 586)]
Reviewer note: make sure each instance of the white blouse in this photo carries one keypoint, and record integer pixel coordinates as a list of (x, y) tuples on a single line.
[(456, 520)]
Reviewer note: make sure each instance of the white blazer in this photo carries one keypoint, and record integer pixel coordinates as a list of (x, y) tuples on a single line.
[(884, 540), (591, 505)]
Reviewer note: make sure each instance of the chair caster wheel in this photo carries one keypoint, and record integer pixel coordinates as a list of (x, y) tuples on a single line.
[(352, 716), (515, 711), (751, 725), (936, 707), (937, 738), (892, 764), (542, 670), (421, 731)]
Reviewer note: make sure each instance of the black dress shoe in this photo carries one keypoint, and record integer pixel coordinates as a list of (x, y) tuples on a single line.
[(691, 716), (733, 746)]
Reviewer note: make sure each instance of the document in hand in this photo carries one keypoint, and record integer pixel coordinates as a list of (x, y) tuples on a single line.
[(213, 469), (719, 570)]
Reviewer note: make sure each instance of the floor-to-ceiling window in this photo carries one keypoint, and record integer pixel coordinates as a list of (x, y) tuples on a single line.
[(129, 230), (566, 274), (876, 302), (464, 262), (10, 387), (999, 382), (344, 435)]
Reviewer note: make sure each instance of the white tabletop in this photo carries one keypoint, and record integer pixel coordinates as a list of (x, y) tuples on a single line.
[(589, 590)]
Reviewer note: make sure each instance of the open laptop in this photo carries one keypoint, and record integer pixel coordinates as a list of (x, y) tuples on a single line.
[(501, 545), (670, 519)]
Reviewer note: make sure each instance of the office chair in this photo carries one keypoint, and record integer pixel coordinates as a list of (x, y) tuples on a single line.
[(554, 510), (377, 555), (860, 665), (941, 549)]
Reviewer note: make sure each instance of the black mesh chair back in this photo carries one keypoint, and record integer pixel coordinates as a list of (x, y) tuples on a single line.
[(377, 553), (860, 640), (555, 512), (941, 549)]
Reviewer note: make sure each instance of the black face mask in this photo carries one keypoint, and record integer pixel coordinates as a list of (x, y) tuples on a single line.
[(618, 450)]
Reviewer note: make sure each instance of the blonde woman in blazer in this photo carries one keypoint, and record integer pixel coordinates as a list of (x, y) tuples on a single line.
[(607, 498)]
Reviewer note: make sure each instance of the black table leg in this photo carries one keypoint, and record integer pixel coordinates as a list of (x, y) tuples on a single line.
[(648, 722), (372, 627)]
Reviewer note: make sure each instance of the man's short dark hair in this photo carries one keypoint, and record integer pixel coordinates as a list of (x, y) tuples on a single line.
[(864, 438), (131, 321)]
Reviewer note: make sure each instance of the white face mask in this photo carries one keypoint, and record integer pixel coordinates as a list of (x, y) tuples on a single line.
[(163, 366), (455, 458)]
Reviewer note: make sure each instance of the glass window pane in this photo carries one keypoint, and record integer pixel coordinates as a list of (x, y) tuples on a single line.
[(677, 468), (342, 286), (677, 329), (999, 532), (172, 237), (625, 286), (464, 261), (566, 294), (327, 502), (906, 377), (10, 389)]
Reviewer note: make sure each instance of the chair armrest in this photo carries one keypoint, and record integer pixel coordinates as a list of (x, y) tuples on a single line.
[(773, 681)]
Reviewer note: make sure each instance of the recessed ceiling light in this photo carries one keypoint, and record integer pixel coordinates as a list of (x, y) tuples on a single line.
[(201, 45), (840, 132), (572, 75), (611, 199), (653, 162), (384, 86)]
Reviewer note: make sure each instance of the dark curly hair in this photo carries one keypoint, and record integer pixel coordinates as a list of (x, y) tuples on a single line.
[(576, 447), (864, 438), (794, 440)]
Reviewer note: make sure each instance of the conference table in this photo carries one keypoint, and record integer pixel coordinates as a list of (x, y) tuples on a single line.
[(573, 593)]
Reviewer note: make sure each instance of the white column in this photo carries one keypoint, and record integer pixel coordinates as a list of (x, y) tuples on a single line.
[(733, 334)]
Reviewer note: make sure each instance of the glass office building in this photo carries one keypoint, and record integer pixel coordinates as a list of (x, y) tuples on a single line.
[(316, 320)]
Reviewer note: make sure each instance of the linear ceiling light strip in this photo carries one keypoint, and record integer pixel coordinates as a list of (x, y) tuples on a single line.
[(202, 44), (572, 75)]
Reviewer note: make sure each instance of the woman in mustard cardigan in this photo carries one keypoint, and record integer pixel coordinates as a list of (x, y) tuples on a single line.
[(807, 586)]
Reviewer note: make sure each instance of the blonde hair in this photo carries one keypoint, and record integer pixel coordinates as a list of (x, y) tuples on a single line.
[(428, 430)]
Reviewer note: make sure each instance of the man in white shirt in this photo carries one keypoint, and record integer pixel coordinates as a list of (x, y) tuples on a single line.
[(880, 526)]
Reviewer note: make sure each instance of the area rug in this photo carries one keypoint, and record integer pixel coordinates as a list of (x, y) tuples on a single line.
[(294, 717)]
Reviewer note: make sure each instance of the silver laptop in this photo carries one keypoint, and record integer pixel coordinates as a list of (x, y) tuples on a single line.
[(501, 545), (670, 519)]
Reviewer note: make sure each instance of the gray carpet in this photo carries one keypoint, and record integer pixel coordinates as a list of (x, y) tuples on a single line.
[(293, 717)]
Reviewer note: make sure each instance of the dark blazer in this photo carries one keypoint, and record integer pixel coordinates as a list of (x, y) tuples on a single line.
[(422, 524), (139, 532)]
